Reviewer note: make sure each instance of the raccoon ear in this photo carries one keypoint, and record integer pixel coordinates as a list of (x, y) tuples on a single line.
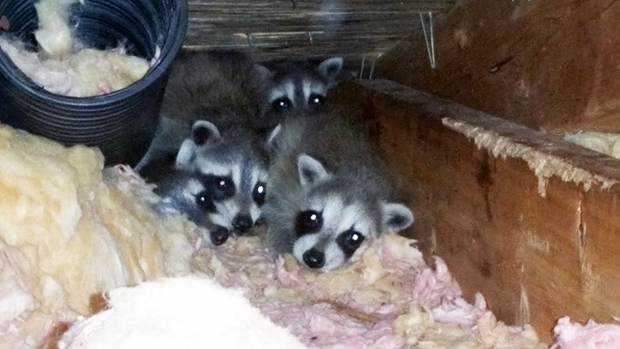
[(274, 137), (311, 170), (396, 216), (261, 72), (330, 69), (204, 132), (186, 154)]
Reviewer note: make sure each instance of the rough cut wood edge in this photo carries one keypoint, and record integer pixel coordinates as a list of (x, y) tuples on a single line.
[(471, 179), (544, 165)]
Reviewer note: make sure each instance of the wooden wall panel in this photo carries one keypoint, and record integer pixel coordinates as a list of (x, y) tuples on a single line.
[(545, 64), (284, 29), (537, 248)]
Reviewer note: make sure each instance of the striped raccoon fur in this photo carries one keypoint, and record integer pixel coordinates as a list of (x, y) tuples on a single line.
[(226, 87), (232, 93), (291, 86), (328, 191), (220, 173)]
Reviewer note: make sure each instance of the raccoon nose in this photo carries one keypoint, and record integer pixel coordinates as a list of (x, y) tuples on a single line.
[(219, 236), (314, 258), (242, 223)]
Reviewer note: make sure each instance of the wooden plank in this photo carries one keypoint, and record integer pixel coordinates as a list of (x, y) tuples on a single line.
[(291, 29), (530, 221), (545, 64)]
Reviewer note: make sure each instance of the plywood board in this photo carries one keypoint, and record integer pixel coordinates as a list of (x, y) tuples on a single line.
[(527, 219), (545, 64)]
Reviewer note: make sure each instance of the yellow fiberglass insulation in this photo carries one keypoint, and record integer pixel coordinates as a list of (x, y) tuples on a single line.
[(69, 230), (63, 65)]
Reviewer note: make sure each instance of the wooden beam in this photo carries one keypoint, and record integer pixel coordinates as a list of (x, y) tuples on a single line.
[(527, 219)]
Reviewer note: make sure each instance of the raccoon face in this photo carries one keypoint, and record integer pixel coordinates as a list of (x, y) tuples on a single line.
[(234, 194), (184, 192), (334, 222), (329, 230), (234, 177), (293, 86)]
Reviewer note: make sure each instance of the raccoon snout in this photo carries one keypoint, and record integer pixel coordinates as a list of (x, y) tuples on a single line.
[(219, 236), (242, 223), (314, 258)]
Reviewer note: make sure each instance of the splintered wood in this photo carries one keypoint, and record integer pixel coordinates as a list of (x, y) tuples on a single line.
[(544, 165), (529, 220)]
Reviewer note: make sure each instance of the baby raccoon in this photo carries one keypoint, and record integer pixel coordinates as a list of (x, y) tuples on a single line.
[(218, 178), (234, 161), (293, 86), (223, 87), (328, 191), (189, 193)]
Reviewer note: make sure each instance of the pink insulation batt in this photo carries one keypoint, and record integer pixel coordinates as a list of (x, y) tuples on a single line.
[(387, 297), (590, 336)]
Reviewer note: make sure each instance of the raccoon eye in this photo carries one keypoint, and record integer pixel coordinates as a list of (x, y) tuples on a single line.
[(259, 193), (316, 100), (203, 200), (224, 187), (309, 222), (281, 104), (350, 241)]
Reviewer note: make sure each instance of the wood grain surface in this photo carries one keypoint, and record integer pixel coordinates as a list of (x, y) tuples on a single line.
[(530, 221), (549, 65)]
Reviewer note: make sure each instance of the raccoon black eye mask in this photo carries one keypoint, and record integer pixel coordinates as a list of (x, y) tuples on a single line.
[(233, 163), (310, 222), (185, 192), (282, 104), (216, 188), (337, 223), (259, 193), (328, 192), (300, 85), (350, 241)]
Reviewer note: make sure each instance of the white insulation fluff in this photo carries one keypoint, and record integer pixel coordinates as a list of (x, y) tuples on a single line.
[(69, 231), (606, 143), (63, 66), (589, 336), (386, 298), (188, 312)]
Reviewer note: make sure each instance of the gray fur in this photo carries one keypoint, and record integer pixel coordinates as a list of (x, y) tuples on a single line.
[(178, 191), (234, 152), (220, 86), (296, 81), (347, 180), (224, 87)]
